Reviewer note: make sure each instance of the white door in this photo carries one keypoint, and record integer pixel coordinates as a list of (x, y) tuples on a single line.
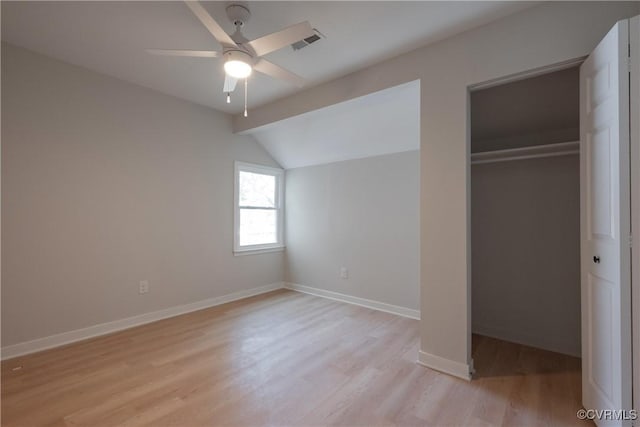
[(605, 225)]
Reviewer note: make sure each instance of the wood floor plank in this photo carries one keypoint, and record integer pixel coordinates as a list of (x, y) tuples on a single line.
[(283, 359)]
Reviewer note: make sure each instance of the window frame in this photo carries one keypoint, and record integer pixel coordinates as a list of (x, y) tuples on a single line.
[(279, 208)]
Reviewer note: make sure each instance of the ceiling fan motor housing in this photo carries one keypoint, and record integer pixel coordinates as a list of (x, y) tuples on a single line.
[(237, 55), (238, 14)]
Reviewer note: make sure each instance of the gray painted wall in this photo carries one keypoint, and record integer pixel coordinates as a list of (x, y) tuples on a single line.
[(104, 184), (359, 214), (525, 238)]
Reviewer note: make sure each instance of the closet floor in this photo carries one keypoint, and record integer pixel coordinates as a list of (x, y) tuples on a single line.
[(283, 358)]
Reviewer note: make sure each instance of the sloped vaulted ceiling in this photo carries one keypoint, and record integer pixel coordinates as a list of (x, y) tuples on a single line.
[(383, 122)]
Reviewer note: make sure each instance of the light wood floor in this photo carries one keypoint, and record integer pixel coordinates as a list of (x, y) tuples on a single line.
[(283, 358)]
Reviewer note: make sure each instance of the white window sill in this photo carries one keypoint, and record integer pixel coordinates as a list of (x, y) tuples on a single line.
[(243, 252)]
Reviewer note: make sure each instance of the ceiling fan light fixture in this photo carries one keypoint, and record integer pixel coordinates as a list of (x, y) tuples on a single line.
[(238, 64), (237, 69)]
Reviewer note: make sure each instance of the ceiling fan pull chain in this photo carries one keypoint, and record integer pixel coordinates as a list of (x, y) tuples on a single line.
[(245, 96)]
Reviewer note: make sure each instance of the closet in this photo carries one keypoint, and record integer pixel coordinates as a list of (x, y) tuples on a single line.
[(525, 211)]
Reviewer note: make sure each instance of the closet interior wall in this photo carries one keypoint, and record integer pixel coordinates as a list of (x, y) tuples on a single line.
[(525, 216)]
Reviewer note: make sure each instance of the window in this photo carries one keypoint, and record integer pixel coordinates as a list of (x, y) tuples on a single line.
[(258, 208)]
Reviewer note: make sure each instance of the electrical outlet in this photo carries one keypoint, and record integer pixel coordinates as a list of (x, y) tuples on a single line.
[(144, 287), (344, 273)]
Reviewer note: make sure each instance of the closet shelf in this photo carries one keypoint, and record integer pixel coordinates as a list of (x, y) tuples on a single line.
[(535, 152)]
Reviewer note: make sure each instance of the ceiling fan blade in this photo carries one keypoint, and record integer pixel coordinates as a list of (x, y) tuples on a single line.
[(229, 83), (214, 28), (279, 39), (183, 52), (273, 70)]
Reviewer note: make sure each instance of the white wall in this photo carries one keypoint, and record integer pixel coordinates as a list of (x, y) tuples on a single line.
[(546, 34), (525, 234), (360, 214), (104, 184)]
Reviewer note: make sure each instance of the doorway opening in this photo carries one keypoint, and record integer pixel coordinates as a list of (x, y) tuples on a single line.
[(525, 224)]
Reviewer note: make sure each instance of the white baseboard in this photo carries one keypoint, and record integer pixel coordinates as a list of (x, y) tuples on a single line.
[(374, 305), (451, 367), (57, 340), (549, 342)]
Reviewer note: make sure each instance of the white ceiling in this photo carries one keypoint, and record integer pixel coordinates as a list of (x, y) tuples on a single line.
[(110, 37), (380, 123)]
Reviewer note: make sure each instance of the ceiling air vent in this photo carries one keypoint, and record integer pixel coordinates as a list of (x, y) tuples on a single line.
[(307, 41)]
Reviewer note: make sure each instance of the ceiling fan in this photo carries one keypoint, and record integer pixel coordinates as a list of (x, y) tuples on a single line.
[(242, 56)]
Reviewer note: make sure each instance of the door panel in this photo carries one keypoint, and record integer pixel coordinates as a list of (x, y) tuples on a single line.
[(600, 182), (600, 296), (605, 225)]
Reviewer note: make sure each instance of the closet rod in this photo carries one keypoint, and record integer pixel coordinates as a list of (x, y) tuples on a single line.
[(535, 152)]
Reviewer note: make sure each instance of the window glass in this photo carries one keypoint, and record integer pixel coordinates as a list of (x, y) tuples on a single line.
[(258, 227), (257, 190)]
